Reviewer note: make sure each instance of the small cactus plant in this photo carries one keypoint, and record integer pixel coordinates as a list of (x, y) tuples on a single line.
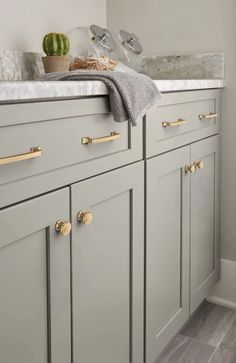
[(56, 44)]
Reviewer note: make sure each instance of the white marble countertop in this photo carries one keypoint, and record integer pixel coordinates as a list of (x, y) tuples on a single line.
[(13, 91)]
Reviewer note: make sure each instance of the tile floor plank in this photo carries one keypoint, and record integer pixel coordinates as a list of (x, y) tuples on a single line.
[(230, 338), (211, 324), (186, 350), (224, 355)]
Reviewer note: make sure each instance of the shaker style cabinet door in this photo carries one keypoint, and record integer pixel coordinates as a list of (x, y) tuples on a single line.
[(35, 281), (107, 267), (205, 223), (167, 249)]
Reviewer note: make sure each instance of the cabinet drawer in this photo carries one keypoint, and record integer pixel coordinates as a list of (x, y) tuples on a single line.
[(182, 118), (72, 147)]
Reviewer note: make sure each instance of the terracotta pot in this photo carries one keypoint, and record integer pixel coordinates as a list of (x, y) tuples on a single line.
[(56, 63)]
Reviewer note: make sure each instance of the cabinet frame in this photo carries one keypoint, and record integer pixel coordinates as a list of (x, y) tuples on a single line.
[(17, 225), (159, 166), (172, 167), (202, 150), (86, 195)]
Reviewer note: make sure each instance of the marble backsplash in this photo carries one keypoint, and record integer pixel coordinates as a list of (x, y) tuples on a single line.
[(24, 66), (20, 66), (199, 66)]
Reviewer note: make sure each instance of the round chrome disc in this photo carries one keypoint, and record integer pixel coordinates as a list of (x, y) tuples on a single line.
[(103, 38), (130, 41)]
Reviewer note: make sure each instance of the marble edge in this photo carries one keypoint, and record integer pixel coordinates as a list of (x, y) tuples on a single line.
[(38, 90), (186, 84)]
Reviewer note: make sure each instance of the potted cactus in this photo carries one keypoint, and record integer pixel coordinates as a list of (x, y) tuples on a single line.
[(56, 46)]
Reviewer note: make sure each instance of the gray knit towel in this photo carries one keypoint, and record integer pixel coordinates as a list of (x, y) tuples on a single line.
[(131, 94)]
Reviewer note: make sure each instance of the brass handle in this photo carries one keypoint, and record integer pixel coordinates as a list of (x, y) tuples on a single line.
[(179, 122), (209, 116), (199, 164), (98, 140), (34, 152), (63, 227), (190, 168), (85, 217)]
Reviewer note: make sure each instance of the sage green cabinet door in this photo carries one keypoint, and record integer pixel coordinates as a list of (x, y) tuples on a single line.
[(35, 282), (107, 267), (167, 249), (205, 222)]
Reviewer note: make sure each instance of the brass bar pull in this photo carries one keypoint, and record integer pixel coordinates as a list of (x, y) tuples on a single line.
[(210, 116), (34, 152), (98, 140), (179, 122)]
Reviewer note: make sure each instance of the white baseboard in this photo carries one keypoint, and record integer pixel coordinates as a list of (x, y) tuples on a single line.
[(225, 291)]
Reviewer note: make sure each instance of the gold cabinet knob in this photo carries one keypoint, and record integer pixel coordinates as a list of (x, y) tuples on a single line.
[(199, 164), (190, 168), (63, 227), (85, 217)]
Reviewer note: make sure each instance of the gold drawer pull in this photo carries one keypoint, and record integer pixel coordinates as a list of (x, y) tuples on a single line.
[(210, 116), (98, 140), (34, 152), (179, 122)]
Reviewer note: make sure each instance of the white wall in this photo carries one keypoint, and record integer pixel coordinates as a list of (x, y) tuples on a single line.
[(224, 292), (24, 22), (191, 26)]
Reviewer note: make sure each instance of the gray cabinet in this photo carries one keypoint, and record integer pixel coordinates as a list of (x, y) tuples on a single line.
[(182, 238), (144, 247), (205, 221), (107, 267), (167, 249), (35, 282), (182, 118)]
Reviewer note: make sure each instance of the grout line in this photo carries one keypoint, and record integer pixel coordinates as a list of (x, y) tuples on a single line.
[(212, 356)]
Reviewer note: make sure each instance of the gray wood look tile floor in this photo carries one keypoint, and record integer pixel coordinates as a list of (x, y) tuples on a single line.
[(210, 337)]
